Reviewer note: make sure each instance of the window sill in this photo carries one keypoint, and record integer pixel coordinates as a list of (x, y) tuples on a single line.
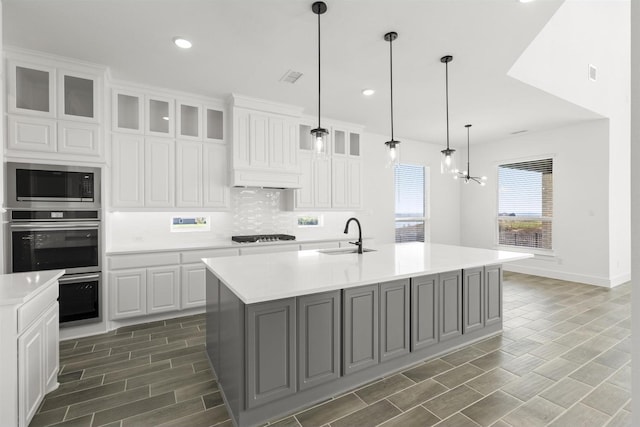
[(539, 253)]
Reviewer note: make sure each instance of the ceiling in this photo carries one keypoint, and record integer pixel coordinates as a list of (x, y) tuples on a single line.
[(246, 46)]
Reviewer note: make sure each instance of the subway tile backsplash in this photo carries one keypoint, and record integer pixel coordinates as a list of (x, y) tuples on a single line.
[(260, 211)]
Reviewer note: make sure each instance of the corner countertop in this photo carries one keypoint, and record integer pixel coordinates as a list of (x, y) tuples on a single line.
[(18, 288), (267, 277), (219, 244)]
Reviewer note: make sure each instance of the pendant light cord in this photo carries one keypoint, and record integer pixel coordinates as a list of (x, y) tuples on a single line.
[(319, 71), (391, 79), (468, 154), (446, 84)]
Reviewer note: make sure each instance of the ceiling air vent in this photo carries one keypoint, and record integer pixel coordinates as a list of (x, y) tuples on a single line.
[(291, 77), (519, 131), (593, 73)]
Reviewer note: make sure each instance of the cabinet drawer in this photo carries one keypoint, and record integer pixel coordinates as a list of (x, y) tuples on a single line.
[(33, 309), (196, 256), (143, 260)]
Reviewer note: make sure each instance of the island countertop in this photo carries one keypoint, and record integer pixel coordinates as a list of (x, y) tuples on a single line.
[(18, 288), (267, 277)]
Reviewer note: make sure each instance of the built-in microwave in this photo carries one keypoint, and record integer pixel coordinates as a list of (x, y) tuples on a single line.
[(39, 186)]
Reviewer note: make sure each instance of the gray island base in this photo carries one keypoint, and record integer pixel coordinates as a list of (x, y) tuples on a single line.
[(275, 357)]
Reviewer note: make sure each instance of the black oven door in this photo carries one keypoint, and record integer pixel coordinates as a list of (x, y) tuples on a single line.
[(79, 299), (74, 247)]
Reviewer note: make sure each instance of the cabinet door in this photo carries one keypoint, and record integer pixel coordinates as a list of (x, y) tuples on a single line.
[(31, 89), (79, 138), (127, 112), (450, 306), (271, 359), (51, 331), (189, 171), (259, 140), (291, 161), (159, 119), (31, 134), (360, 328), (394, 319), (79, 96), (493, 294), (424, 311), (216, 190), (318, 338), (304, 196), (193, 285), (163, 289), (189, 120), (127, 171), (213, 119), (339, 142), (159, 172), (322, 182), (279, 143), (339, 177), (354, 197), (473, 299), (31, 374), (354, 144), (128, 290)]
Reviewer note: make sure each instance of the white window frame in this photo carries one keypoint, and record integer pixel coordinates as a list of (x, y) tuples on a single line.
[(539, 252), (425, 197)]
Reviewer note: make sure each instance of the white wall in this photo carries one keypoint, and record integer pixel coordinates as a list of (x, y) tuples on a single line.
[(443, 192), (596, 32), (580, 210)]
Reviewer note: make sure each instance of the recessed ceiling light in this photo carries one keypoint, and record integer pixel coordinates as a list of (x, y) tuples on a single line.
[(368, 92), (182, 43), (165, 118)]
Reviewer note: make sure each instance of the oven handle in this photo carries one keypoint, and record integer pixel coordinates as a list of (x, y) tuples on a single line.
[(80, 278), (56, 226)]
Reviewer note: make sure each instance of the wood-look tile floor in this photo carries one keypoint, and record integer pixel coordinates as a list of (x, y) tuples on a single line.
[(563, 359)]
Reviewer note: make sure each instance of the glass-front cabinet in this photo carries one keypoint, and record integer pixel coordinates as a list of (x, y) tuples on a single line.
[(189, 121), (31, 89), (214, 124), (160, 117), (78, 96), (128, 111)]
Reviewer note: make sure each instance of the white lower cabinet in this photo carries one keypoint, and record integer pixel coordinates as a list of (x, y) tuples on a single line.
[(163, 289), (193, 285), (31, 370), (51, 325), (128, 293)]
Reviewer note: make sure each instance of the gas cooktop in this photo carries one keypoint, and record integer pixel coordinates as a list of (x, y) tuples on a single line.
[(262, 238)]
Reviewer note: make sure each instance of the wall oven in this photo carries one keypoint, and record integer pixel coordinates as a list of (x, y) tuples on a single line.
[(38, 186), (70, 240)]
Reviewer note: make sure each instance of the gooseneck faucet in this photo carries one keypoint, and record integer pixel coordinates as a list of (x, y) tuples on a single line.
[(346, 230)]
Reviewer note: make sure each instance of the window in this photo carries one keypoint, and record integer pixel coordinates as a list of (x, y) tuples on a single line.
[(525, 204), (410, 208)]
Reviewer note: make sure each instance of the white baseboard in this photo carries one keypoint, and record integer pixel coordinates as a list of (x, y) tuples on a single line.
[(571, 277)]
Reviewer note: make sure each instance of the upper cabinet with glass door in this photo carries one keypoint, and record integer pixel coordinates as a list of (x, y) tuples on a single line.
[(31, 89), (127, 112), (346, 143), (189, 121), (79, 96), (213, 119), (160, 116)]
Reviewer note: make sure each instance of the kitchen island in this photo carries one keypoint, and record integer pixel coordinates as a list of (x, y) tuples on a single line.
[(287, 330)]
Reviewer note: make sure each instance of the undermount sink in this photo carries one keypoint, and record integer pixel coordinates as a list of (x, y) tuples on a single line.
[(342, 251)]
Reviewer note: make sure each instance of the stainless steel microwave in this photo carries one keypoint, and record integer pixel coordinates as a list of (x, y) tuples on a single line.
[(39, 186)]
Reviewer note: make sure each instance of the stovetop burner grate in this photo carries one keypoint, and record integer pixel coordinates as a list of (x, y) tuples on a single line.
[(262, 238)]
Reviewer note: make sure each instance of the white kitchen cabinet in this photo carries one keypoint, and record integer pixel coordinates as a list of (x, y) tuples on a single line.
[(283, 143), (189, 120), (51, 331), (159, 172), (259, 140), (159, 117), (216, 191), (31, 134), (339, 182), (213, 119), (31, 89), (315, 178), (304, 196), (79, 138), (128, 290), (189, 174), (31, 373), (127, 112), (193, 285), (79, 96), (340, 142), (127, 171), (322, 183), (163, 289), (354, 185)]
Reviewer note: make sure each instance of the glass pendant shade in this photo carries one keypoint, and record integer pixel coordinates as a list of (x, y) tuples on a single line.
[(319, 141), (393, 153), (448, 161)]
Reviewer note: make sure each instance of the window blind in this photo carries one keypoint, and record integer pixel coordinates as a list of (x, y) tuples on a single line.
[(409, 203), (525, 203)]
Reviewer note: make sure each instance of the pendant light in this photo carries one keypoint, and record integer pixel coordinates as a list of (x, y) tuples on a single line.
[(466, 175), (392, 145), (447, 163), (319, 133)]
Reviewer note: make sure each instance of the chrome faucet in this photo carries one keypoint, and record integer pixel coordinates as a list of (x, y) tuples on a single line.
[(346, 230)]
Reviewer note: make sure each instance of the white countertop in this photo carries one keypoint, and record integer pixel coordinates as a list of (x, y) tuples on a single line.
[(267, 277), (18, 288), (218, 244)]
